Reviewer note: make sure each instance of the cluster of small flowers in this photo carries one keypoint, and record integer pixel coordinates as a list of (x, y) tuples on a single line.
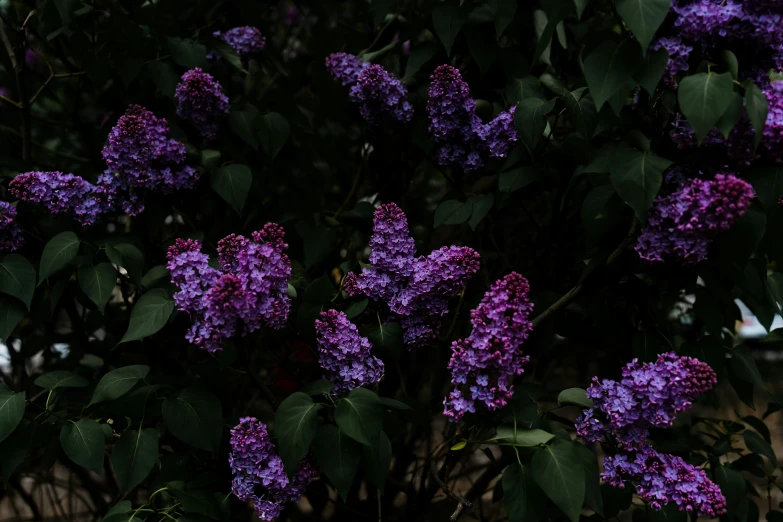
[(416, 289), (259, 475), (344, 354), (200, 101), (379, 94), (651, 395), (61, 194), (681, 225), (249, 290), (11, 237), (483, 365), (246, 40), (465, 141)]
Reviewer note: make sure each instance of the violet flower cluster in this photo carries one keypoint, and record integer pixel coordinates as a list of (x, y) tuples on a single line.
[(247, 292), (259, 475), (415, 289), (464, 140), (11, 237), (344, 354), (681, 225), (380, 95), (650, 395), (201, 101), (61, 194), (246, 40), (484, 364)]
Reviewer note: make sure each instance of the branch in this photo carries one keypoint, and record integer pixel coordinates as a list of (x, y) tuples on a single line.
[(44, 147), (462, 502)]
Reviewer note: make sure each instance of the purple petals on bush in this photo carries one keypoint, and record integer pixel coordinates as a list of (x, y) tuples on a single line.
[(484, 364), (200, 101), (345, 67), (60, 194), (11, 237), (246, 41), (344, 354), (248, 292), (259, 475)]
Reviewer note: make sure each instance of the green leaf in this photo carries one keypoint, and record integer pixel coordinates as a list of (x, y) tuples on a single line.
[(57, 254), (418, 57), (244, 123), (380, 8), (97, 282), (643, 17), (756, 444), (593, 498), (133, 457), (360, 415), (187, 53), (558, 469), (732, 115), (503, 12), (156, 276), (636, 177), (732, 485), (580, 6), (515, 493), (11, 411), (530, 120), (17, 278), (149, 315), (319, 387), (338, 456), (575, 396), (703, 98), (164, 76), (118, 382), (448, 18), (296, 423), (757, 106), (745, 367), (11, 312), (232, 183), (609, 66), (650, 73), (482, 46), (61, 379), (356, 308), (15, 448), (767, 184), (201, 504), (83, 443), (581, 111), (522, 437), (128, 257), (545, 34), (386, 337), (394, 404), (227, 53), (273, 132), (459, 446), (481, 205), (376, 461), (516, 179), (195, 417), (452, 212)]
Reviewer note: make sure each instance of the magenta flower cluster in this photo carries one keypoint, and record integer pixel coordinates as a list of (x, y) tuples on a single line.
[(259, 475), (246, 40), (415, 289), (484, 364), (681, 225), (344, 354), (464, 140), (11, 237), (247, 292), (380, 95), (201, 101)]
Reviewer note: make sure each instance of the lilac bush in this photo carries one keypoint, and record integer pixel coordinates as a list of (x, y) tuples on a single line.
[(247, 41), (201, 102)]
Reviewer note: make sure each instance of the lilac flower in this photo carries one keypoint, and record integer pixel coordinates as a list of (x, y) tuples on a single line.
[(259, 475), (248, 292), (345, 67), (679, 53), (61, 194), (200, 101), (660, 479), (344, 354), (416, 290), (11, 237), (773, 129), (246, 41), (484, 364), (681, 225)]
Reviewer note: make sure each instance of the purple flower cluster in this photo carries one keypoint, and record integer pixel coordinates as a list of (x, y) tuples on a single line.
[(464, 140), (681, 225), (200, 101), (416, 289), (344, 354), (61, 194), (379, 94), (259, 475), (660, 478), (249, 290), (11, 237), (246, 40), (484, 364), (773, 129)]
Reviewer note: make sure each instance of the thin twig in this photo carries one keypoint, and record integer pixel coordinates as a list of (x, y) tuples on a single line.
[(462, 502), (354, 185)]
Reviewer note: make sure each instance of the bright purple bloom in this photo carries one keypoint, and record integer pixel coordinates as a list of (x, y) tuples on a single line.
[(200, 101), (249, 290), (11, 237), (773, 129), (679, 53), (259, 475), (416, 289), (484, 364), (345, 67), (344, 354), (246, 41), (681, 225), (61, 194)]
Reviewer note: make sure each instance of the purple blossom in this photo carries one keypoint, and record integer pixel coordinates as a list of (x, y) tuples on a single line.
[(345, 67), (200, 101), (248, 292), (61, 194), (416, 290), (681, 225), (259, 475), (679, 53), (344, 354), (11, 237), (773, 129), (246, 41), (484, 364)]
